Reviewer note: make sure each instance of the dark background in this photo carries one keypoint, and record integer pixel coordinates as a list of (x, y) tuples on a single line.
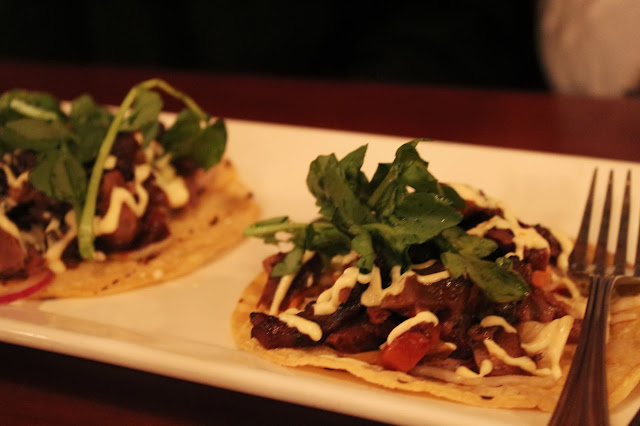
[(484, 44)]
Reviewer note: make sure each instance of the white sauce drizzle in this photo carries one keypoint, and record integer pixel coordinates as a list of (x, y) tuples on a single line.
[(120, 196), (524, 362), (374, 294), (329, 300), (170, 182), (284, 284), (566, 246), (12, 180), (280, 293), (486, 366), (433, 278), (423, 265), (167, 180), (494, 320), (303, 325), (523, 237), (549, 339), (403, 327), (110, 162), (55, 250)]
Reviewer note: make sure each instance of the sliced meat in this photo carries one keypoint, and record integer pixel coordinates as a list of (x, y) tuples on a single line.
[(273, 333), (125, 233), (361, 336)]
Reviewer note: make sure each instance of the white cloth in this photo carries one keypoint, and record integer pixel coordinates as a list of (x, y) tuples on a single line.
[(590, 47)]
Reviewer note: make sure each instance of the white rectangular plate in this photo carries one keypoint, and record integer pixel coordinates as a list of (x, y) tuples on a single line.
[(181, 328)]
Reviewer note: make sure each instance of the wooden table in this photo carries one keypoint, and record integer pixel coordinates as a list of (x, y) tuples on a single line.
[(38, 387)]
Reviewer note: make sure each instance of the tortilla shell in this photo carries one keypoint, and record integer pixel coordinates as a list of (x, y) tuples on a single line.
[(623, 365), (197, 236)]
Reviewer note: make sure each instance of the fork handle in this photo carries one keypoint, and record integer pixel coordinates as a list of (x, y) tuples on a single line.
[(584, 398)]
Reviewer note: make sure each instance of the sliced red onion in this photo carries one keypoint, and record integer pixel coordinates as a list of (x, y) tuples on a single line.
[(15, 292)]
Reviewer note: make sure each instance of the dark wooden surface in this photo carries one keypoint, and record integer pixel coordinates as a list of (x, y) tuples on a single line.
[(38, 387)]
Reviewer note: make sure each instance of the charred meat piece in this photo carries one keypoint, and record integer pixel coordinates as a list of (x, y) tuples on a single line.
[(273, 333)]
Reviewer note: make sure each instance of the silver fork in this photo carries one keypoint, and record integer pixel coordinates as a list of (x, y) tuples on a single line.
[(584, 399)]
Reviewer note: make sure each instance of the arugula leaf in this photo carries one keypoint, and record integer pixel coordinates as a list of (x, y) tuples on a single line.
[(210, 145), (457, 240), (290, 264), (186, 127), (90, 123), (143, 115), (326, 238), (34, 134), (363, 244), (61, 176), (16, 104), (498, 283), (186, 138), (378, 218), (315, 184), (267, 229), (382, 220)]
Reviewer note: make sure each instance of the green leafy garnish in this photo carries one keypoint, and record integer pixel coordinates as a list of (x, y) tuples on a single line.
[(381, 216), (138, 97), (463, 255), (68, 144), (401, 207), (498, 283)]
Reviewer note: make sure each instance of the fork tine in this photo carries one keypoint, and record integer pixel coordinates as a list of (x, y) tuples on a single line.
[(600, 257), (620, 259), (578, 256)]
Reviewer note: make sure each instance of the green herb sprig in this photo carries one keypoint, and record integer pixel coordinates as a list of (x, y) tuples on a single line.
[(402, 206)]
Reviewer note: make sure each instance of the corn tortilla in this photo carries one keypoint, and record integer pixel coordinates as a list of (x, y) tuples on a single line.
[(623, 364), (197, 236)]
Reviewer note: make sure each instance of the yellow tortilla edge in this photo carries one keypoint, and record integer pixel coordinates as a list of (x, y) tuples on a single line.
[(197, 236)]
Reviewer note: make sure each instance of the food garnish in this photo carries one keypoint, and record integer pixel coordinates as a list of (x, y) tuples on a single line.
[(419, 285), (82, 182)]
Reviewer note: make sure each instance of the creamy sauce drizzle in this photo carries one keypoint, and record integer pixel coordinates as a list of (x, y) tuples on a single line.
[(12, 180), (549, 339), (403, 327), (170, 182), (486, 366), (173, 185), (566, 246), (121, 196), (303, 325), (494, 320), (523, 237), (329, 300), (283, 286), (53, 255)]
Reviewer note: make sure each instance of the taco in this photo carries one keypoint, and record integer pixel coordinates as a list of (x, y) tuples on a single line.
[(421, 286), (96, 201)]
